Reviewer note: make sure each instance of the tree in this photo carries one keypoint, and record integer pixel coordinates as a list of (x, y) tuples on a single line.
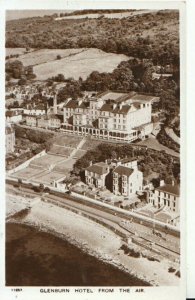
[(22, 81)]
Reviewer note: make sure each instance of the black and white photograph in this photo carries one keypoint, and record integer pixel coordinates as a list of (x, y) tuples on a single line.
[(92, 148)]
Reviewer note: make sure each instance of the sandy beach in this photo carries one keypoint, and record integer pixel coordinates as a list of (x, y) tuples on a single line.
[(96, 240)]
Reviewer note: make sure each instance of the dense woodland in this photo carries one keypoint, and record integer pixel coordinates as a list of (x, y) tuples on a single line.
[(152, 35)]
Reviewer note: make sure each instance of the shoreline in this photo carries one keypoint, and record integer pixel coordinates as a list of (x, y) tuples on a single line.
[(97, 241), (84, 250)]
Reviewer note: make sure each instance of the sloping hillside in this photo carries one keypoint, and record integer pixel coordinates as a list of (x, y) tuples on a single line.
[(149, 35)]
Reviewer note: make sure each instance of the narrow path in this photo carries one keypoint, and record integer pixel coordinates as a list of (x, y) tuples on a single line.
[(169, 131)]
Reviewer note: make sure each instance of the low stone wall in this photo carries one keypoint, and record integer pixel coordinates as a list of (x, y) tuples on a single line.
[(137, 217), (26, 163)]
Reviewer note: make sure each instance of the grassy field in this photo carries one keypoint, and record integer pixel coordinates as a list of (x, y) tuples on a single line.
[(80, 64), (14, 51), (85, 61), (42, 56)]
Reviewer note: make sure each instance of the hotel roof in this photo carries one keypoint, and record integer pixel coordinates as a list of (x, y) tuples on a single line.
[(109, 95), (75, 104), (109, 107), (142, 97), (115, 96)]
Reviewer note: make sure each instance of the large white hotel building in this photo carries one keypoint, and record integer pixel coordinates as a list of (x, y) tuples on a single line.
[(112, 116)]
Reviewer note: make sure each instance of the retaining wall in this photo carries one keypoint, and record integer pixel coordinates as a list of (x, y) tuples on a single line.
[(26, 163)]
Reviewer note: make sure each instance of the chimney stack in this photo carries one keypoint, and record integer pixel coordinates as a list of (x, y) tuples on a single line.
[(162, 183)]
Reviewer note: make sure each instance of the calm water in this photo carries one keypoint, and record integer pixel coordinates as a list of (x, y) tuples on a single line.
[(36, 258)]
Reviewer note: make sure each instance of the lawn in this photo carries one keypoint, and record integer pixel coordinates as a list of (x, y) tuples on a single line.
[(79, 153), (67, 140), (47, 160), (154, 144), (60, 150), (27, 173), (65, 166), (49, 177), (90, 144)]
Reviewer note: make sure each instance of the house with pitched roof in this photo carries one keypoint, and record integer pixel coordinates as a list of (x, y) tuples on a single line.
[(127, 179), (166, 196), (96, 174), (121, 177)]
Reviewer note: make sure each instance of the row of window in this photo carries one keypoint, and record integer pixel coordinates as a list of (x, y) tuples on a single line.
[(166, 195)]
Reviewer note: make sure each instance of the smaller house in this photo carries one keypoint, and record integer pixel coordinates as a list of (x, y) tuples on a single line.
[(38, 110), (96, 174), (31, 120), (50, 121), (13, 116), (166, 196)]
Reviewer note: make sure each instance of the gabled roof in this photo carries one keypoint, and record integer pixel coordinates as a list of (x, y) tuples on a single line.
[(110, 108), (10, 113), (121, 170), (98, 168), (128, 159), (75, 104), (171, 189)]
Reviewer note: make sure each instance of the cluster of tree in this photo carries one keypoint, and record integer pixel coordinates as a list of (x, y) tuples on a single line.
[(34, 136), (165, 140), (152, 35), (132, 75), (71, 90), (11, 56), (57, 78), (149, 159), (95, 11), (15, 69)]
